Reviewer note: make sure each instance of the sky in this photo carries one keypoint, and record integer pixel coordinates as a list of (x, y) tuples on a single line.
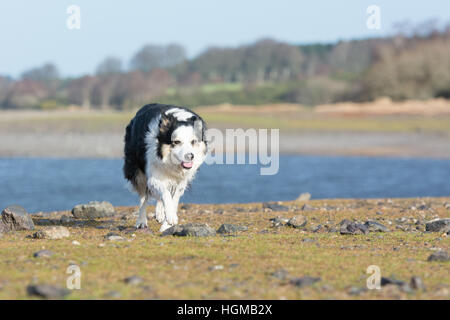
[(35, 32)]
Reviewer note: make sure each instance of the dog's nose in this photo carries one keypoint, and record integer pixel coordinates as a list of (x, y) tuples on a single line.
[(189, 156)]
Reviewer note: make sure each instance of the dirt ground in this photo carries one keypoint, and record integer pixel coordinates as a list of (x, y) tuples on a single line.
[(269, 260)]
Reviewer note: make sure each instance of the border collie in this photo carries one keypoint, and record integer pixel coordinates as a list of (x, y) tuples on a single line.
[(164, 147)]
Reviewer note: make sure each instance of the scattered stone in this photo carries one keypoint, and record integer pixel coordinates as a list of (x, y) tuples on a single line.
[(190, 229), (304, 197), (43, 254), (356, 291), (298, 221), (304, 281), (133, 280), (15, 218), (308, 240), (275, 206), (114, 237), (52, 233), (65, 219), (185, 206), (278, 221), (307, 207), (349, 227), (113, 295), (416, 283), (76, 243), (447, 205), (386, 281), (93, 210), (374, 226), (280, 274), (218, 267), (47, 291), (438, 225), (230, 228), (441, 255)]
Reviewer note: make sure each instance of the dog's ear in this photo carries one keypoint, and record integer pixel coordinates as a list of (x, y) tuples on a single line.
[(199, 129), (164, 123)]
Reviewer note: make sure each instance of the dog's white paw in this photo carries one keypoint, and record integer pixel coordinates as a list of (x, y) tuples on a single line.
[(164, 226), (172, 219), (141, 224)]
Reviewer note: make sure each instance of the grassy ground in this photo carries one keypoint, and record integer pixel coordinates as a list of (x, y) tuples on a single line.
[(239, 266)]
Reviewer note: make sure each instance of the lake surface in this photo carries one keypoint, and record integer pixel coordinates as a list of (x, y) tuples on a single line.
[(60, 184)]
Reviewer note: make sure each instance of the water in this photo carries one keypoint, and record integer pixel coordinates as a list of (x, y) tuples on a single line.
[(60, 184)]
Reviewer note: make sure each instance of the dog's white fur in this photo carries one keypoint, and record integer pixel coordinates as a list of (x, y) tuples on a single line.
[(166, 179)]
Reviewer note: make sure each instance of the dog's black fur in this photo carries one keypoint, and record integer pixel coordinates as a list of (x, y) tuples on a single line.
[(135, 146)]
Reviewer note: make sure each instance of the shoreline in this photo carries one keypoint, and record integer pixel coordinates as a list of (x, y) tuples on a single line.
[(110, 144)]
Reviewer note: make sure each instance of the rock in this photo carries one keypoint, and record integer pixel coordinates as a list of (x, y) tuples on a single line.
[(133, 280), (307, 207), (447, 205), (304, 197), (47, 291), (374, 226), (281, 274), (275, 206), (416, 283), (304, 281), (298, 221), (65, 219), (114, 237), (278, 221), (15, 218), (385, 281), (230, 228), (438, 225), (113, 295), (52, 233), (442, 256), (93, 210), (217, 267), (349, 227), (356, 291), (43, 254), (190, 229)]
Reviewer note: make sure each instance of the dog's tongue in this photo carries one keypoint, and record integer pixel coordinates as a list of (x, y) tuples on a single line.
[(187, 165)]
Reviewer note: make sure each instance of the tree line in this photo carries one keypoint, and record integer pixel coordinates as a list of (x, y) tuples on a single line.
[(403, 66)]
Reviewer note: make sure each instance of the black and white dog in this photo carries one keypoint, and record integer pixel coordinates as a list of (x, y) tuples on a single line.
[(164, 147)]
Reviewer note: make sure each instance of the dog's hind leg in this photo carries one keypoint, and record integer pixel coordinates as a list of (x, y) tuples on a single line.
[(141, 222)]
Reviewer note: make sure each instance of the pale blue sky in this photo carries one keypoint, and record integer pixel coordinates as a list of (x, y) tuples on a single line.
[(34, 32)]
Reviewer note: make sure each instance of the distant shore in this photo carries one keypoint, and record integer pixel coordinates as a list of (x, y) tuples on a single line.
[(382, 128)]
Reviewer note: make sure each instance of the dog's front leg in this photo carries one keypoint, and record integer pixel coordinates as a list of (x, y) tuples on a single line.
[(161, 192), (142, 219), (159, 212)]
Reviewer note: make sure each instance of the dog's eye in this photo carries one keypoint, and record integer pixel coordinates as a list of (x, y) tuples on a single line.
[(193, 142), (176, 142)]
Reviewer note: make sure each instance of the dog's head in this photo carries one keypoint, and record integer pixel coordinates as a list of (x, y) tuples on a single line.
[(182, 141)]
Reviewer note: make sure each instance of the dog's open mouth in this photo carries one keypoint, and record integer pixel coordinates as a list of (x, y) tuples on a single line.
[(186, 165)]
